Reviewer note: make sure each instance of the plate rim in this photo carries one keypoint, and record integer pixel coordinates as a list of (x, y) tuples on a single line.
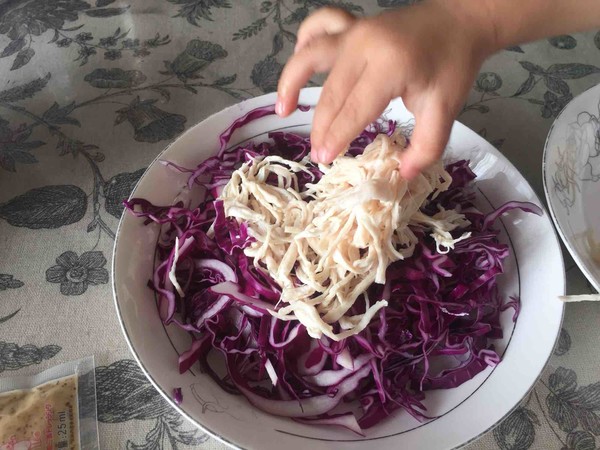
[(214, 434), (552, 207)]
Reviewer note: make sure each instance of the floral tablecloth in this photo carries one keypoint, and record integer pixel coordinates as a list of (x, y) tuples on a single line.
[(91, 91)]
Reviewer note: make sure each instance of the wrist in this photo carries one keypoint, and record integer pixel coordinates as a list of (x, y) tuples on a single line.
[(477, 22)]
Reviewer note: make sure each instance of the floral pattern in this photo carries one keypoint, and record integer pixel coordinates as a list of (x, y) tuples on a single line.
[(93, 90), (579, 158), (553, 100), (123, 393), (571, 411), (26, 20), (75, 273)]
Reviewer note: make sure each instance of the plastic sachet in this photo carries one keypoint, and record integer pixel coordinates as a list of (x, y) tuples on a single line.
[(53, 410)]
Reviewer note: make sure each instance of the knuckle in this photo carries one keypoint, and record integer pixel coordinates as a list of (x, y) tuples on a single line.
[(310, 48), (363, 31), (377, 44)]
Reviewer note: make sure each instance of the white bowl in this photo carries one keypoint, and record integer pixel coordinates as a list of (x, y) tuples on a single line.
[(534, 271), (571, 172)]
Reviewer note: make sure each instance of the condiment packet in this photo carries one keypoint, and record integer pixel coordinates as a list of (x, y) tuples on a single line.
[(53, 410)]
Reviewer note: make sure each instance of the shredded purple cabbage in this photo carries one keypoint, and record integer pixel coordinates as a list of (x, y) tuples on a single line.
[(177, 396), (441, 307)]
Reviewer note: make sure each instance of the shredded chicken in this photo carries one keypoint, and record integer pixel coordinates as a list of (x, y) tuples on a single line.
[(326, 245)]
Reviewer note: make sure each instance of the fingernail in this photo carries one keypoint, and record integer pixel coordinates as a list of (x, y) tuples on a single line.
[(279, 107), (314, 156), (324, 155)]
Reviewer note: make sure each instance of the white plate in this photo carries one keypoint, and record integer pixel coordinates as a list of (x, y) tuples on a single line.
[(534, 271), (572, 180)]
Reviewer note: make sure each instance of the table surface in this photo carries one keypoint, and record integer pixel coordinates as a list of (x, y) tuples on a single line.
[(89, 96)]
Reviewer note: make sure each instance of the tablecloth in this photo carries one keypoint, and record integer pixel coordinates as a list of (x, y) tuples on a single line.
[(91, 91)]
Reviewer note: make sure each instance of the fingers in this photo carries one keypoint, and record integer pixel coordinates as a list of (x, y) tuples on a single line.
[(337, 88), (429, 139), (323, 21), (317, 56), (363, 105)]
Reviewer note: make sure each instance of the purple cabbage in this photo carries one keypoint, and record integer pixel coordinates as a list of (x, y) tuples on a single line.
[(441, 307), (177, 396)]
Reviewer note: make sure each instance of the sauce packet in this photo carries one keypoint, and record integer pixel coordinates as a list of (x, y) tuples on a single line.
[(53, 410)]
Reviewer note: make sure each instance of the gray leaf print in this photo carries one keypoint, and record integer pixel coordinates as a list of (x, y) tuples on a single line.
[(115, 78), (13, 47), (8, 282), (251, 30), (580, 440), (554, 104), (23, 57), (225, 80), (564, 343), (194, 10), (60, 115), (124, 393), (569, 406), (150, 123), (24, 91), (196, 57), (557, 85), (46, 207), (172, 428), (564, 42), (14, 357), (106, 12), (394, 3), (572, 71), (515, 49), (277, 44), (265, 74), (526, 87), (517, 431), (532, 68), (297, 16), (9, 316), (15, 146), (563, 380)]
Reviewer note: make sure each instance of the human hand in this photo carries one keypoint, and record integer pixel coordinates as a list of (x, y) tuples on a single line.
[(428, 54)]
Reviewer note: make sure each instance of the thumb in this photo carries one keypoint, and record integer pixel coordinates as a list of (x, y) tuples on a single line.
[(428, 141)]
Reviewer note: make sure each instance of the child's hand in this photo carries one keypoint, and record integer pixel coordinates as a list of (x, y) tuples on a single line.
[(428, 54)]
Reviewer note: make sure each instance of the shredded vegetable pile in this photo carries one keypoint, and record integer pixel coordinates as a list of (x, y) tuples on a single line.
[(439, 301), (326, 244)]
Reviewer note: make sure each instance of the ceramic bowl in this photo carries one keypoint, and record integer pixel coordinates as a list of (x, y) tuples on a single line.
[(462, 413), (571, 173)]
